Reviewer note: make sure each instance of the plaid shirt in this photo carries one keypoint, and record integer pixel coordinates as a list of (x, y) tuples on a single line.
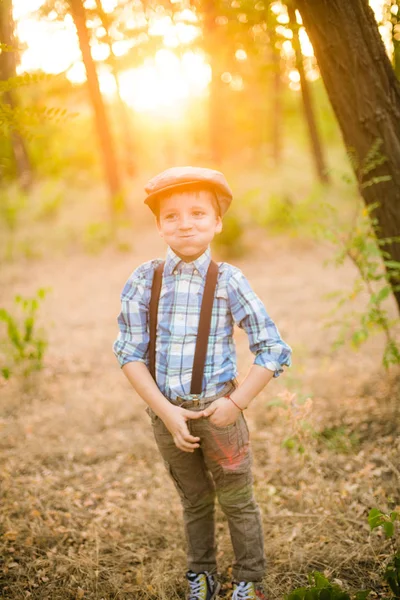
[(178, 319)]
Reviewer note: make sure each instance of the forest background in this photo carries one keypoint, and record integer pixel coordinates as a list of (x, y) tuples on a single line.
[(298, 103)]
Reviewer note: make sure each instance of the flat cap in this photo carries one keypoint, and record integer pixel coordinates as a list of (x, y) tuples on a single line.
[(180, 177)]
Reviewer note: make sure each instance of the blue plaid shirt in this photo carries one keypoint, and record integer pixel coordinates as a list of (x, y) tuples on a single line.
[(178, 318)]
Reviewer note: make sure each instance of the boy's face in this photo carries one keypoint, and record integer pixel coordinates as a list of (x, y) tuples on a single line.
[(188, 222)]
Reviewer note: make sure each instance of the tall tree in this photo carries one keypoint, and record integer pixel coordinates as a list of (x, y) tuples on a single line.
[(276, 95), (395, 18), (216, 108), (308, 105), (8, 65), (128, 159), (102, 124), (365, 95)]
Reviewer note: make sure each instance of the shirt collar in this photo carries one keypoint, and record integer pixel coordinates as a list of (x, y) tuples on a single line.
[(201, 263)]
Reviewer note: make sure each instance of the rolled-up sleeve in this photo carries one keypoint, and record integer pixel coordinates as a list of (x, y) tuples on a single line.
[(133, 339), (249, 314)]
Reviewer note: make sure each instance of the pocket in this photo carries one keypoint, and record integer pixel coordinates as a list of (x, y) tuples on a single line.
[(178, 485), (226, 428), (225, 444), (151, 414)]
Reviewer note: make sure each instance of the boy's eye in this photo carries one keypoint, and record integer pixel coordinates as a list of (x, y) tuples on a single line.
[(198, 212), (169, 216)]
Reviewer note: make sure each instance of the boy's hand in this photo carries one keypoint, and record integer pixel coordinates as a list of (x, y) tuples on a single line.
[(222, 412), (175, 422)]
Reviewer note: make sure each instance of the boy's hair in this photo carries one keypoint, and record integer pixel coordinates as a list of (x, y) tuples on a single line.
[(193, 189)]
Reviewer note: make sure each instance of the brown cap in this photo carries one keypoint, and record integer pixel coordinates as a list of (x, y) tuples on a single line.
[(179, 177)]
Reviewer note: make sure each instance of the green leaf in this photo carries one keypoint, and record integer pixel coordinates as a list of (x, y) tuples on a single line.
[(393, 264), (326, 594), (297, 594), (388, 528), (362, 595), (381, 295), (359, 337), (341, 595), (4, 315), (5, 371), (394, 516), (375, 518), (320, 580)]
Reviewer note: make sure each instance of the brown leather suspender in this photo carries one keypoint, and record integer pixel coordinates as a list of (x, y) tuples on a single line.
[(204, 329), (153, 314), (204, 324)]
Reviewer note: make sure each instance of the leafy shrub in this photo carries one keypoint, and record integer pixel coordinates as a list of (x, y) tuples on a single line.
[(391, 574), (376, 272), (51, 199), (12, 206), (97, 236), (23, 346), (295, 410), (338, 439), (320, 588), (283, 214), (230, 241)]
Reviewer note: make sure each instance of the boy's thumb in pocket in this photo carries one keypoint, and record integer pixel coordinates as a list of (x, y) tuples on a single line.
[(209, 411), (191, 414)]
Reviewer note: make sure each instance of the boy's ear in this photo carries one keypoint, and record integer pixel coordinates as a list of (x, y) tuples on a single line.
[(218, 227), (159, 227)]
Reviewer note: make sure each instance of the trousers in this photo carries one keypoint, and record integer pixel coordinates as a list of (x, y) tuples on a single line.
[(220, 468)]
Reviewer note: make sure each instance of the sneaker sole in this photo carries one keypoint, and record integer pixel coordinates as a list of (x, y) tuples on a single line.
[(216, 591)]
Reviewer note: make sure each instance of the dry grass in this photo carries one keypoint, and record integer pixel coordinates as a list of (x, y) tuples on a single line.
[(87, 510)]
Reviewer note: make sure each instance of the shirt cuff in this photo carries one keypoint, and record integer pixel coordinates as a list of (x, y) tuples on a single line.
[(124, 360), (264, 360)]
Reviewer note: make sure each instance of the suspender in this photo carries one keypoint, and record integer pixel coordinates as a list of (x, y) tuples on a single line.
[(204, 324), (155, 295)]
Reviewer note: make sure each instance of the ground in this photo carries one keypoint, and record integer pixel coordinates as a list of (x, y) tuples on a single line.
[(87, 509)]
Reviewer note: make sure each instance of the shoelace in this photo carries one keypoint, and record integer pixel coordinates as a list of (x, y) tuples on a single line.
[(242, 591), (196, 587)]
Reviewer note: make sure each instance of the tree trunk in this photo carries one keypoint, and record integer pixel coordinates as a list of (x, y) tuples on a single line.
[(396, 40), (123, 113), (276, 110), (365, 95), (102, 124), (8, 65), (309, 111), (216, 117)]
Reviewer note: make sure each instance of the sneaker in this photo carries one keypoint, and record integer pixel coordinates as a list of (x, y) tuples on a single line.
[(247, 590), (203, 586)]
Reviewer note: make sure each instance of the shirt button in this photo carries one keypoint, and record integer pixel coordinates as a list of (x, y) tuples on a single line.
[(195, 272)]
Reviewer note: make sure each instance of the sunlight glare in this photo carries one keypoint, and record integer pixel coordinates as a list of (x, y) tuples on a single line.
[(100, 51), (163, 84), (287, 48), (77, 73), (241, 54), (107, 84), (306, 46)]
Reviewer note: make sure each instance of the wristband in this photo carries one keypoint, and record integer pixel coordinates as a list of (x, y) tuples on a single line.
[(232, 400)]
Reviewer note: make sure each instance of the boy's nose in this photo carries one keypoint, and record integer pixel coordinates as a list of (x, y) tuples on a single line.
[(185, 223)]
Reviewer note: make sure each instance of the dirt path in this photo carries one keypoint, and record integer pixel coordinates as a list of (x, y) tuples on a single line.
[(87, 510)]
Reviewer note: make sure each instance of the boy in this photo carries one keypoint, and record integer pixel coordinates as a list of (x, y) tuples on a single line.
[(203, 436)]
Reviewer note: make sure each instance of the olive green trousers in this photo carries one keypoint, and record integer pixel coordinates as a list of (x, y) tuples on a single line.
[(220, 468)]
